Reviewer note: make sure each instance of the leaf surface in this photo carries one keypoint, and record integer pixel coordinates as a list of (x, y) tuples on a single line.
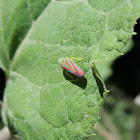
[(40, 101)]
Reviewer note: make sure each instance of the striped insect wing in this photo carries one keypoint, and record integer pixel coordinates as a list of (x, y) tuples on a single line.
[(71, 67), (77, 70), (67, 66)]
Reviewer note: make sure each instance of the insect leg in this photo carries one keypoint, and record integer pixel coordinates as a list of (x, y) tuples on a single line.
[(75, 58), (68, 74)]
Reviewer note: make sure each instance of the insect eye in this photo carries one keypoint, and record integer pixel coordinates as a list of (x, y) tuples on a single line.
[(63, 62)]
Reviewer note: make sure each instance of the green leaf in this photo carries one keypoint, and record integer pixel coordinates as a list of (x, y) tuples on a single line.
[(16, 18), (40, 101), (105, 68)]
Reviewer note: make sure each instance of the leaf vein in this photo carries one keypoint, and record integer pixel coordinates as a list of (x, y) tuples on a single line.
[(29, 10), (3, 38)]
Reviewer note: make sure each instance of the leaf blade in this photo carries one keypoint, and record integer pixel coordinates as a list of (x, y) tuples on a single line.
[(56, 107)]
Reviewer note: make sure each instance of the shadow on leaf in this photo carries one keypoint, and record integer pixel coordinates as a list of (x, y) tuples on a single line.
[(79, 81)]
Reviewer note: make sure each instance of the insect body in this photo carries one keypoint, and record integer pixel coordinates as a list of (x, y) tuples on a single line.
[(71, 66)]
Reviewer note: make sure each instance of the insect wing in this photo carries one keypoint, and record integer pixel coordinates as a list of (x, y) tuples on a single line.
[(75, 69), (71, 67), (66, 64), (78, 71)]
